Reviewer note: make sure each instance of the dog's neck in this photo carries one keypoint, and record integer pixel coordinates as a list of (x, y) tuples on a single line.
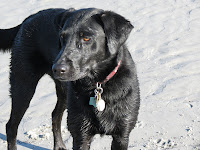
[(88, 84), (111, 74)]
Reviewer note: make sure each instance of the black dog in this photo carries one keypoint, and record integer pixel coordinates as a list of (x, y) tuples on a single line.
[(87, 51)]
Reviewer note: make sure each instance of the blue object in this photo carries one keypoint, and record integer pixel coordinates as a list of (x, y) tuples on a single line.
[(93, 101)]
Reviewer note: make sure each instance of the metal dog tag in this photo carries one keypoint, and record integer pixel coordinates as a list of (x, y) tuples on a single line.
[(97, 101), (100, 104)]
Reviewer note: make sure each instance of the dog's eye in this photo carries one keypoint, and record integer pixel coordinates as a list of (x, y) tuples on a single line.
[(86, 39)]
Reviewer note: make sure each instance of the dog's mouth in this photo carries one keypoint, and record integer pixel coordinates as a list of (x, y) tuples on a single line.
[(72, 77), (65, 73)]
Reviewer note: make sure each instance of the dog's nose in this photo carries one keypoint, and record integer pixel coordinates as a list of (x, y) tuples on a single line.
[(59, 69)]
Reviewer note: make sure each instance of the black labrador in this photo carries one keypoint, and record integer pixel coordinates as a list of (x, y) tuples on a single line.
[(84, 52)]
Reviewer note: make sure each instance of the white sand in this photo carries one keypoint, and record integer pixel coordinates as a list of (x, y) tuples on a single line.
[(165, 45)]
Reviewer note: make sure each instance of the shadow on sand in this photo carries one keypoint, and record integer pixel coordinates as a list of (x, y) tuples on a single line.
[(24, 144)]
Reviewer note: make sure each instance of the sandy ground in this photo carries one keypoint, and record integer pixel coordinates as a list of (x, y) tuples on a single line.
[(165, 45)]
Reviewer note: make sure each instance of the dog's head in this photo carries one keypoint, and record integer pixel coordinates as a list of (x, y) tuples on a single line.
[(88, 37)]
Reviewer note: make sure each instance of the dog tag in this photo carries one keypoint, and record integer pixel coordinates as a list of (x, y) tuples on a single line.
[(101, 105), (93, 101), (100, 102), (97, 101)]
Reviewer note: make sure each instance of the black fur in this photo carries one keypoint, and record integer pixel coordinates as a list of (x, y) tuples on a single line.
[(7, 37), (77, 48)]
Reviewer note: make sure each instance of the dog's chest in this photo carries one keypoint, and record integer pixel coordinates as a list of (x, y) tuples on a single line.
[(106, 125), (108, 121)]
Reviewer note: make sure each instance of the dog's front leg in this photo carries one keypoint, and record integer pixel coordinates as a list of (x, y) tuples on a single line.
[(57, 117), (120, 142), (82, 142)]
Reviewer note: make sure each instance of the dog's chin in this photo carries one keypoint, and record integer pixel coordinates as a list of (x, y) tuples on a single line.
[(71, 77)]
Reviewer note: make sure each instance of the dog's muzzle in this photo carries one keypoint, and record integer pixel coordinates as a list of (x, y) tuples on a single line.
[(59, 70)]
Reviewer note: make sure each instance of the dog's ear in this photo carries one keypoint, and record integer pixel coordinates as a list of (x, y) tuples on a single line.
[(61, 18), (116, 28)]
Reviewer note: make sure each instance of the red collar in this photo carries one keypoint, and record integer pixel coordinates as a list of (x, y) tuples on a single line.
[(111, 74)]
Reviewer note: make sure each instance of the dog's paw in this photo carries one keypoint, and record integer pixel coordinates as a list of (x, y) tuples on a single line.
[(60, 148)]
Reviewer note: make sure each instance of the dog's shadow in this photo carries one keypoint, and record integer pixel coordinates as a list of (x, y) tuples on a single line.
[(24, 144)]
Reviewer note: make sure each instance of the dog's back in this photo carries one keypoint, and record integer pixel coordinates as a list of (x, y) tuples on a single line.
[(36, 31)]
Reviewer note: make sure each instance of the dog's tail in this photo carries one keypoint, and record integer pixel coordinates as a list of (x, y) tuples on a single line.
[(7, 37)]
